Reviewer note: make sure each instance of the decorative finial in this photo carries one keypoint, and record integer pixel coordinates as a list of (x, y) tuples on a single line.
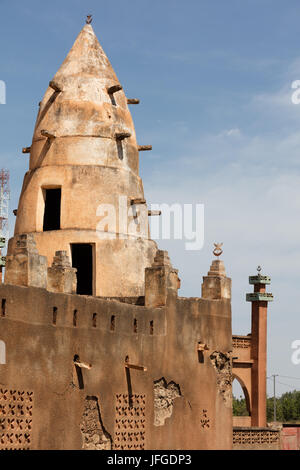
[(258, 269), (218, 250), (89, 19)]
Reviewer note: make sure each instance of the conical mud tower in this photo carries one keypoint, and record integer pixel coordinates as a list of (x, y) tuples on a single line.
[(82, 193)]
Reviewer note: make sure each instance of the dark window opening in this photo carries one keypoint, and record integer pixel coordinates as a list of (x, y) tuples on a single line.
[(135, 327), (82, 260), (52, 209), (94, 320), (151, 327), (54, 315), (3, 307)]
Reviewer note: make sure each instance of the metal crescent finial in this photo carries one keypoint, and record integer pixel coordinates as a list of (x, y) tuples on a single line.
[(258, 269), (89, 19), (218, 250)]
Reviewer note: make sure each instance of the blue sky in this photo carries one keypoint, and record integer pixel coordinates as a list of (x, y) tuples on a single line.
[(214, 79)]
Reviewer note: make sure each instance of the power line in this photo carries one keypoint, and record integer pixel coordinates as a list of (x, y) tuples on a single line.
[(281, 383), (288, 385), (287, 377)]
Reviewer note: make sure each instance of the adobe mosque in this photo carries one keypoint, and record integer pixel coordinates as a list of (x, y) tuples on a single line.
[(98, 350)]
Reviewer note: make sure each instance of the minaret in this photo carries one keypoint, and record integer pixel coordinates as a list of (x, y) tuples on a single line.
[(216, 285), (83, 177), (259, 300)]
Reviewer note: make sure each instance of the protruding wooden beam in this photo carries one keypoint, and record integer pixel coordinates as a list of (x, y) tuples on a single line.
[(135, 366), (49, 135), (133, 101), (150, 213), (133, 202), (114, 88), (142, 148), (55, 86), (83, 365), (26, 149), (202, 347), (246, 362), (123, 135), (15, 211)]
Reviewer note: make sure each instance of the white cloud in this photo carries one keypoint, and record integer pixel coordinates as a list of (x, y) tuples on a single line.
[(235, 132)]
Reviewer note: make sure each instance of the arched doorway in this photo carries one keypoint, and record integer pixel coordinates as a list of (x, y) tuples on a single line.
[(240, 398)]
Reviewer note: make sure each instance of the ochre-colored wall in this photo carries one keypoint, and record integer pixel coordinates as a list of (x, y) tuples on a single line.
[(40, 359)]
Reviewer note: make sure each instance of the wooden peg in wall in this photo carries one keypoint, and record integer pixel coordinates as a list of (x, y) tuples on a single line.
[(133, 202), (202, 347), (113, 89), (151, 213), (132, 101), (122, 135), (128, 365), (49, 135), (83, 365), (54, 85), (143, 148)]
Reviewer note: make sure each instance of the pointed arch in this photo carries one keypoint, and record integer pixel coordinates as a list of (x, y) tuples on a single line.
[(245, 390)]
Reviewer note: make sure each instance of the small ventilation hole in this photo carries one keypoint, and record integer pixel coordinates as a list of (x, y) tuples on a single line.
[(75, 318), (3, 307), (54, 315), (112, 323)]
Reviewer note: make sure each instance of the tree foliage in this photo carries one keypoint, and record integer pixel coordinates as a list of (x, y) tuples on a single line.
[(239, 407), (287, 407)]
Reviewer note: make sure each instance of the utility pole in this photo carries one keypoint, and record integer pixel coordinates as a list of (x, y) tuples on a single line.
[(274, 395)]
